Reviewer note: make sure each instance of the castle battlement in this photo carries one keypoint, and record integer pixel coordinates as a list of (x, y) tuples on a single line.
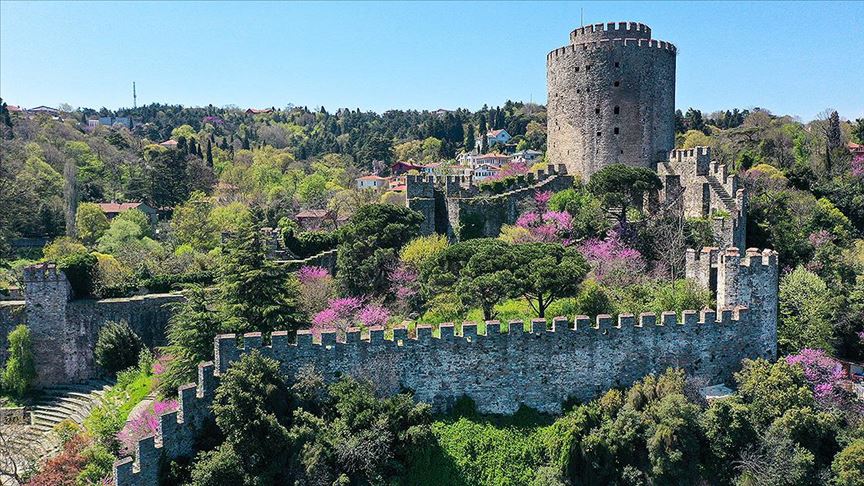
[(611, 44), (634, 30), (43, 272), (540, 364)]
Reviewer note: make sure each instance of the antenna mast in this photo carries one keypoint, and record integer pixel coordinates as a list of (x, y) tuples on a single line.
[(134, 96)]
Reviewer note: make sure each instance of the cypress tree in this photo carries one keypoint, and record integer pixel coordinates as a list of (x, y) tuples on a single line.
[(469, 138), (484, 142), (209, 154), (190, 147)]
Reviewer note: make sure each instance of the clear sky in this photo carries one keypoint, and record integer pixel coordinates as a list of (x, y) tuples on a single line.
[(792, 58)]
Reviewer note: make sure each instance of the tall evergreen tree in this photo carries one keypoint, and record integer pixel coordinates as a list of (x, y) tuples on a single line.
[(484, 142), (181, 145), (209, 153), (257, 294), (190, 147), (469, 138), (245, 143)]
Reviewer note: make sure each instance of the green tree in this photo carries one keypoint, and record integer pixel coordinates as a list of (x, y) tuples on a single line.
[(807, 308), (117, 347), (848, 465), (209, 153), (547, 272), (193, 325), (621, 187), (90, 222), (121, 234), (482, 130), (470, 141), (253, 407), (20, 372), (488, 277), (62, 247), (139, 218), (370, 246), (193, 225), (257, 295), (422, 250)]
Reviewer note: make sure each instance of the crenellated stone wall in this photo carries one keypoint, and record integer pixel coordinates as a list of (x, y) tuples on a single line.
[(703, 188), (64, 331), (537, 364), (455, 207)]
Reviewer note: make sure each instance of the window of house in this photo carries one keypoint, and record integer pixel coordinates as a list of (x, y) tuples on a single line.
[(617, 110)]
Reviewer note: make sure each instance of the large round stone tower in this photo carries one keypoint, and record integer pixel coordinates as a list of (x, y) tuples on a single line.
[(611, 98)]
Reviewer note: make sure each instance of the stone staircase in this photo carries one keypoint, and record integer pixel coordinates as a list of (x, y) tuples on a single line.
[(55, 404), (718, 187)]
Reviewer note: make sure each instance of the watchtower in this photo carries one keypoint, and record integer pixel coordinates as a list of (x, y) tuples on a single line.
[(611, 98)]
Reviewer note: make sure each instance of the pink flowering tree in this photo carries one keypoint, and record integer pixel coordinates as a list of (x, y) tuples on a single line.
[(858, 166), (316, 288), (405, 288), (144, 423), (346, 312), (826, 375), (544, 225), (612, 262)]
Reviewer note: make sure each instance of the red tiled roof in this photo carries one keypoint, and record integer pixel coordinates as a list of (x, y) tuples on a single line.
[(169, 143), (495, 133), (113, 207), (313, 213)]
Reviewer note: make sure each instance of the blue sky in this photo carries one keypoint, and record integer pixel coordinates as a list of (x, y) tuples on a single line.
[(792, 58)]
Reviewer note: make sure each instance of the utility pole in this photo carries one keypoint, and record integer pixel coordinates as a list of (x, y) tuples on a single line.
[(134, 96)]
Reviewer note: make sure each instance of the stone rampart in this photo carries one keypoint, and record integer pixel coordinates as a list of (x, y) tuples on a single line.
[(703, 188), (64, 331), (537, 364), (455, 207)]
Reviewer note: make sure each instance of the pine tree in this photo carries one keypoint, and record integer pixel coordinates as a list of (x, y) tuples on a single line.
[(209, 153), (257, 295), (190, 147)]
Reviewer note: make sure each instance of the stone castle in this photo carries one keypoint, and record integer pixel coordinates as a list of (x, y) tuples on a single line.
[(537, 364), (611, 98)]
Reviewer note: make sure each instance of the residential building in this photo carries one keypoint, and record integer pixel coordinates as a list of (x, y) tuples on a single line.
[(527, 157), (491, 159), (316, 219), (372, 182), (112, 209), (495, 137), (484, 171)]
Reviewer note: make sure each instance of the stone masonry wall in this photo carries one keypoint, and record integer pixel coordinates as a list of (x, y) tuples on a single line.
[(454, 207), (64, 331), (611, 99), (507, 365), (701, 187)]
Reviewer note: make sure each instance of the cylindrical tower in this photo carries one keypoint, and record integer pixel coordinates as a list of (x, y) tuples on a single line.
[(611, 98)]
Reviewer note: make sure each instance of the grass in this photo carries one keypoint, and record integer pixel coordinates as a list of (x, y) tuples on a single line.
[(473, 449), (107, 419)]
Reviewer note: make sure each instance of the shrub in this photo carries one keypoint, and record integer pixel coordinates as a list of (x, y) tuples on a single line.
[(168, 282), (20, 365), (848, 465), (117, 347), (80, 270), (66, 430), (63, 247)]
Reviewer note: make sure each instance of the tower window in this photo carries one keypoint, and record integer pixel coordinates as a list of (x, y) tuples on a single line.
[(617, 110), (599, 133), (587, 90), (578, 90), (597, 111), (588, 67), (616, 130), (577, 69), (622, 152), (617, 65), (617, 83)]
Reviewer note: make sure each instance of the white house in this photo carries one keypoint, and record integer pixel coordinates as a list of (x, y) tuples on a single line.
[(372, 182), (494, 137), (491, 159), (527, 156), (484, 171)]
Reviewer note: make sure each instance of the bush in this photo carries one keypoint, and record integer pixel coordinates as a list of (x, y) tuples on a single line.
[(310, 243), (20, 365), (66, 430), (168, 282), (117, 347), (80, 270)]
